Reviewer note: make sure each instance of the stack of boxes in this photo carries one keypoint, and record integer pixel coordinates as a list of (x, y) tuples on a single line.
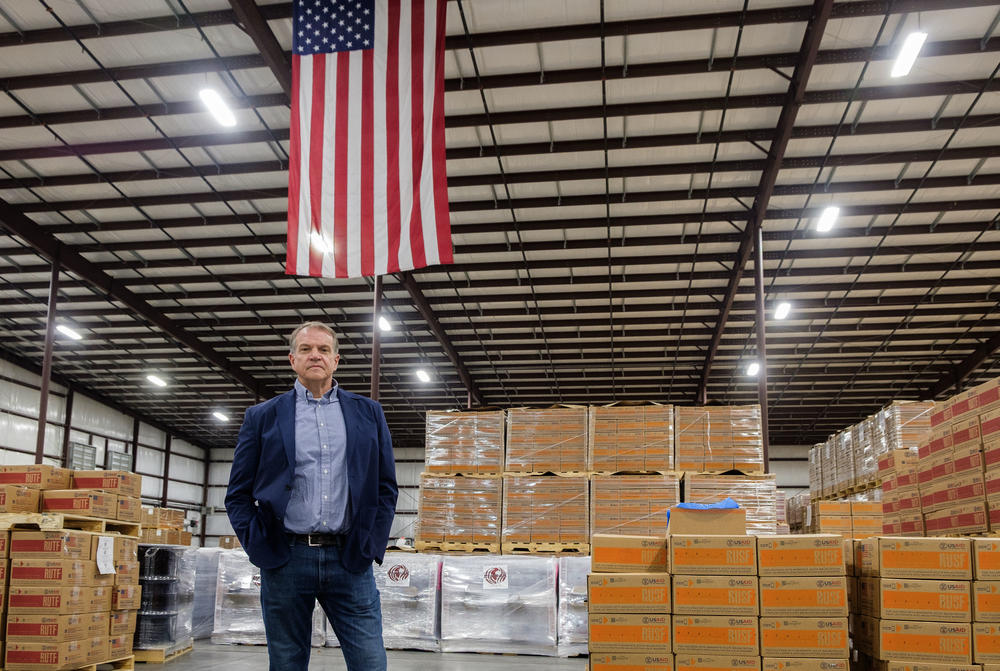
[(631, 439), (164, 526), (986, 601), (849, 519), (898, 472), (634, 505), (754, 493), (718, 438)]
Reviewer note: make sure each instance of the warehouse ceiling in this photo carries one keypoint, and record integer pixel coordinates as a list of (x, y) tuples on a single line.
[(608, 164)]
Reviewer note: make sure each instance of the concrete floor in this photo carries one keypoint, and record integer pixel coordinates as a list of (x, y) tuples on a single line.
[(253, 658)]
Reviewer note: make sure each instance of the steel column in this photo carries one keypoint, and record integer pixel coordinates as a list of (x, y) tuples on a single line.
[(761, 343), (204, 495), (50, 327), (376, 343), (135, 443), (67, 425), (166, 474)]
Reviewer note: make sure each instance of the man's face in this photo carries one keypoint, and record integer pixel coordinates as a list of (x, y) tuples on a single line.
[(313, 358)]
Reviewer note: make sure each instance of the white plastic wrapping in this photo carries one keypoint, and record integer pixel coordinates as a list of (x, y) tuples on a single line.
[(572, 632), (408, 585), (205, 579), (499, 604)]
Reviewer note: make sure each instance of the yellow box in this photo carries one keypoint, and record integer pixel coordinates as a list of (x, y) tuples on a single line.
[(926, 641), (801, 555), (863, 508), (715, 595), (716, 663), (628, 593), (804, 664), (925, 600), (832, 508), (803, 597), (628, 554), (931, 558), (713, 555), (631, 661), (804, 637), (986, 601), (715, 635), (986, 642), (647, 633), (986, 552)]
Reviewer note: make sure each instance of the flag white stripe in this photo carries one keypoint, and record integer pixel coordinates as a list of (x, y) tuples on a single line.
[(405, 139), (427, 210), (380, 228), (328, 142), (305, 203), (354, 150)]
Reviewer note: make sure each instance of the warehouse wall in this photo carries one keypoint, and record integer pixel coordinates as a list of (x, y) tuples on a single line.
[(104, 428)]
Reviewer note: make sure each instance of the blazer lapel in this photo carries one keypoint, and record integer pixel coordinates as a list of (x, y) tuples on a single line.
[(348, 406), (285, 414)]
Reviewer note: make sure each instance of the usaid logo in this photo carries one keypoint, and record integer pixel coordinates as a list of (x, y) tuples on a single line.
[(495, 577), (398, 575)]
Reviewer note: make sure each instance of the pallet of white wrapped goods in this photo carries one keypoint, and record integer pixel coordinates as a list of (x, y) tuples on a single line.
[(54, 521)]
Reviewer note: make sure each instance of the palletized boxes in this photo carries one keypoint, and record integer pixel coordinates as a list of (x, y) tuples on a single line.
[(753, 493), (18, 499), (715, 595), (552, 440), (718, 438), (470, 443), (931, 642), (628, 593), (545, 509), (629, 554), (716, 635), (122, 483), (632, 504), (713, 555), (631, 439), (457, 509)]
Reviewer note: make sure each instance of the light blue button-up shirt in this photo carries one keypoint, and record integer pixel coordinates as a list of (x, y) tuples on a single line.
[(319, 501)]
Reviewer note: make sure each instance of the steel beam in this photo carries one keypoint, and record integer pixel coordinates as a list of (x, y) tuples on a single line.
[(250, 17), (67, 426), (166, 472), (50, 335), (761, 328), (962, 371), (376, 356), (135, 443)]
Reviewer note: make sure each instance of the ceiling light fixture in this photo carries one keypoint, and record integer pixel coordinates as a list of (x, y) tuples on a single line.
[(753, 368), (158, 381), (384, 324), (908, 54), (828, 219), (319, 242), (782, 310), (68, 332), (422, 375), (219, 416), (218, 107)]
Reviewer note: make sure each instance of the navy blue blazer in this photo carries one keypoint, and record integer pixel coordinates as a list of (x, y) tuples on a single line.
[(260, 482)]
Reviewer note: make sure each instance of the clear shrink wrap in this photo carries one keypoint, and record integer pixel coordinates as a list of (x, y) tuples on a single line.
[(550, 440), (572, 611), (753, 493), (845, 460), (206, 577), (816, 470), (632, 505), (411, 600), (499, 604), (719, 438), (907, 423), (631, 438), (471, 443), (455, 509), (545, 509), (167, 578)]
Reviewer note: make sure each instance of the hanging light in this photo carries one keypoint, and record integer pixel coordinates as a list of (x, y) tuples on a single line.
[(908, 54), (158, 381), (753, 368), (219, 416), (782, 310), (218, 107), (383, 324), (422, 375), (68, 332), (828, 219)]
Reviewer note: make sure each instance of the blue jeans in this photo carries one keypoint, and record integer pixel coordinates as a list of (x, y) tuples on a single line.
[(351, 601)]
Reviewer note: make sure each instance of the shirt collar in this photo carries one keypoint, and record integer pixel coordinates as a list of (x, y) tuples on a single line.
[(305, 394)]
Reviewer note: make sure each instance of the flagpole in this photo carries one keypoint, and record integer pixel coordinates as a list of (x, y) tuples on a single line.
[(376, 344)]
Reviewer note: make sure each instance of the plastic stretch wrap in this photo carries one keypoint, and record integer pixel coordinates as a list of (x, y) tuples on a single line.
[(545, 509), (845, 460), (816, 470), (796, 511), (205, 578), (633, 505), (167, 577), (411, 600), (572, 611), (632, 438), (865, 457), (550, 440), (498, 604), (907, 423), (464, 442), (459, 509), (780, 507), (753, 493), (718, 438), (238, 617), (829, 459)]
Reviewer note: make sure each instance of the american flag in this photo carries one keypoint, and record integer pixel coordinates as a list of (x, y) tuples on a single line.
[(367, 191)]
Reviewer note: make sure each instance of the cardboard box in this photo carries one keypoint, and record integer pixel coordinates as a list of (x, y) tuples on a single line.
[(57, 572), (129, 509), (832, 508), (716, 663), (986, 601), (866, 526), (801, 555), (867, 635), (965, 432), (18, 499), (58, 600), (27, 656), (804, 664), (233, 543), (4, 543), (925, 600), (97, 649), (628, 593), (38, 476), (88, 502), (126, 597), (61, 544), (911, 524), (962, 519), (631, 661), (931, 558), (126, 573), (644, 633), (864, 508), (803, 597), (122, 622), (122, 483), (119, 646), (916, 666), (126, 549), (986, 643), (36, 627), (731, 522), (986, 553), (834, 525), (935, 642), (628, 554), (161, 536), (715, 595), (989, 425), (713, 555), (804, 637), (715, 635)]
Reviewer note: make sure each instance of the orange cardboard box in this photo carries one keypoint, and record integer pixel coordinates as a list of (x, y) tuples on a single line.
[(866, 526), (832, 508), (61, 544), (631, 661), (30, 655), (915, 666), (716, 663), (804, 664), (931, 558), (925, 600), (803, 597), (986, 643), (122, 483), (628, 593), (715, 635), (645, 633), (89, 502), (122, 622), (986, 552), (38, 476), (936, 642), (801, 555), (986, 601), (628, 554), (866, 508), (18, 499), (57, 572), (713, 555), (715, 595), (804, 637), (834, 525)]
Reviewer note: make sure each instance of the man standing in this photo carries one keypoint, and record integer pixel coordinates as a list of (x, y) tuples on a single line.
[(311, 496)]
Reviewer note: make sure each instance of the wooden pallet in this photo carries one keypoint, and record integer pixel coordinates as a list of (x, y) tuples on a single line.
[(160, 655), (548, 474), (119, 664), (56, 521), (577, 549), (450, 547)]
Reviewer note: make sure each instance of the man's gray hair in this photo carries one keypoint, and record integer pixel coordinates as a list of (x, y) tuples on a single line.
[(312, 325)]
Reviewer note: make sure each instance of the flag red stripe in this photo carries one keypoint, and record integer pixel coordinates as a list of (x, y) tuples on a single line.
[(417, 128), (392, 137), (294, 175), (440, 183), (368, 163), (316, 160), (340, 164)]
